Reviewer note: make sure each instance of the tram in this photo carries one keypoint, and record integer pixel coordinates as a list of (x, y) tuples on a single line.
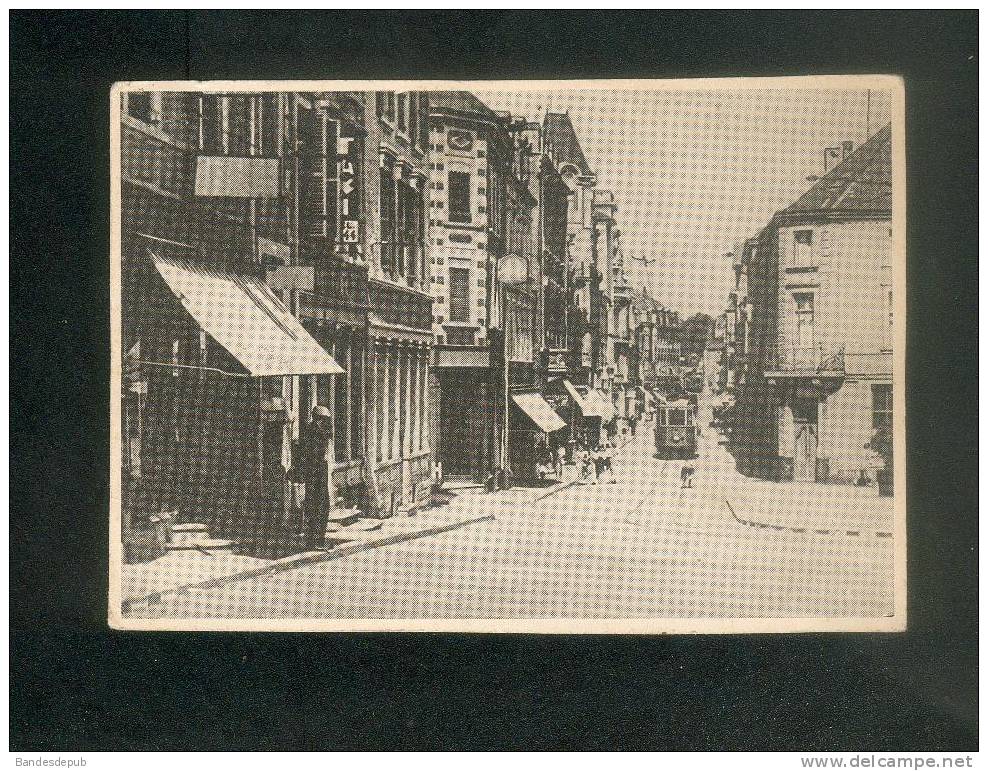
[(675, 427)]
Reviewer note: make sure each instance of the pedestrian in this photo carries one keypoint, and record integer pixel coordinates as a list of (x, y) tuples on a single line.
[(586, 465), (313, 471), (686, 475), (560, 460), (607, 461), (632, 421)]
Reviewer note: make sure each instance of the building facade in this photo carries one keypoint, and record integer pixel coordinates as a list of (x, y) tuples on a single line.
[(818, 383), (486, 284), (276, 198)]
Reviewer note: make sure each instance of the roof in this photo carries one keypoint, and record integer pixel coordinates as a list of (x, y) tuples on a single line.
[(462, 103), (561, 137), (862, 182)]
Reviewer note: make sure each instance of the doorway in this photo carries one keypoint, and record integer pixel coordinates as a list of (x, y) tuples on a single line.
[(804, 416)]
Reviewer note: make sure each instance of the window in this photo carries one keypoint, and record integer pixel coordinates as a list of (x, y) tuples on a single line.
[(318, 185), (266, 127), (413, 117), (881, 406), (804, 308), (145, 107), (210, 124), (387, 221), (459, 295), (423, 133), (802, 256), (676, 418), (402, 112), (459, 196)]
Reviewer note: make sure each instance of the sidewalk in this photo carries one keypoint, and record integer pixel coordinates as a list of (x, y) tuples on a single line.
[(180, 571), (831, 509)]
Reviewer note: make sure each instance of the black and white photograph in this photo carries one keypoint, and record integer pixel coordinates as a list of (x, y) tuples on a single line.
[(545, 356)]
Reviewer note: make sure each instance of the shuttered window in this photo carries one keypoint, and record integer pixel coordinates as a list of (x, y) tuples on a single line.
[(318, 181), (459, 295)]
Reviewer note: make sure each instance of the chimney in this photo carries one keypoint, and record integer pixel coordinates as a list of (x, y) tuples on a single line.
[(846, 148)]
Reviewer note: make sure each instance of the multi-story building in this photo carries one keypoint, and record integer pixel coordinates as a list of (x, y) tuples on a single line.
[(591, 245), (657, 345), (243, 214), (819, 377), (486, 286)]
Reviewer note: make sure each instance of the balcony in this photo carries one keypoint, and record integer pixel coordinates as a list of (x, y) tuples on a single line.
[(401, 306), (819, 364)]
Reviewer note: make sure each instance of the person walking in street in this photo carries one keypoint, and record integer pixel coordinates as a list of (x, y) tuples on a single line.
[(586, 465), (606, 455), (313, 471), (686, 475)]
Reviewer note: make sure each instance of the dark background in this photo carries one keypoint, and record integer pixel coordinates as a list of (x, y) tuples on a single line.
[(77, 685)]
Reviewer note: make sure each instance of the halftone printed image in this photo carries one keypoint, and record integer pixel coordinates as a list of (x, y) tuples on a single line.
[(535, 356)]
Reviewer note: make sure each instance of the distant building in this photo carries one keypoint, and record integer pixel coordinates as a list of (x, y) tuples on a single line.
[(818, 380)]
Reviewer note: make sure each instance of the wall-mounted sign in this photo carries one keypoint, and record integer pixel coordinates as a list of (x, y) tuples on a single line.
[(346, 160), (272, 253), (230, 177), (292, 277), (461, 141), (350, 232), (512, 269)]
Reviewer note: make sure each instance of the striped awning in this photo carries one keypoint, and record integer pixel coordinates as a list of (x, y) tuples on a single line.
[(539, 410), (245, 317)]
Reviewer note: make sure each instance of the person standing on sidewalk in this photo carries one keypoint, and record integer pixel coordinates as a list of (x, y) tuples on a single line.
[(313, 469)]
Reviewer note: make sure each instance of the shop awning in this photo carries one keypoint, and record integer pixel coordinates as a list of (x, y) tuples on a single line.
[(540, 411), (604, 406), (248, 320), (581, 401)]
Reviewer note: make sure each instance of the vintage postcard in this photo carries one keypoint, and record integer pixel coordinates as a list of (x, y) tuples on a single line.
[(603, 356)]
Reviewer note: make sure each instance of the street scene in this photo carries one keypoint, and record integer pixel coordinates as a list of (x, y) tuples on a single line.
[(527, 353)]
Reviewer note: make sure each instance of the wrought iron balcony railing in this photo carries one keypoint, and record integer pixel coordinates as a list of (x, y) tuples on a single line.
[(805, 359)]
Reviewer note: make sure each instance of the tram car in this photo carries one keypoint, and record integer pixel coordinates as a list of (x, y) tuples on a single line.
[(675, 427)]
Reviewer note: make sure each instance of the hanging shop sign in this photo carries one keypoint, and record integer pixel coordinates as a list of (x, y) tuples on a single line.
[(346, 160)]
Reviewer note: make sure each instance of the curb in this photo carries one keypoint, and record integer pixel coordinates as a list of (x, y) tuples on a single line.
[(811, 530), (297, 561), (553, 490)]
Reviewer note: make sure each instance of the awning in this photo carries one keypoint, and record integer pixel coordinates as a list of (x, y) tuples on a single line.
[(580, 400), (605, 407), (593, 405), (540, 411), (245, 317)]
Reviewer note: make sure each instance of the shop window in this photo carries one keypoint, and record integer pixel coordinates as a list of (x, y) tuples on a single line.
[(459, 196), (341, 401)]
